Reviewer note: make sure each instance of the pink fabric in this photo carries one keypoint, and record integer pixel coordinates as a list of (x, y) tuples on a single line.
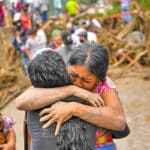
[(25, 21), (103, 138), (104, 86), (2, 15)]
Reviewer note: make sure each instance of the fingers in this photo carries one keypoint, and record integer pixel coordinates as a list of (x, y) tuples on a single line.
[(45, 111), (46, 117), (49, 123), (93, 103), (58, 127), (101, 102), (96, 100)]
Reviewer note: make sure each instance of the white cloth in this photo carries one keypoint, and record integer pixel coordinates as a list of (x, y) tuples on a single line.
[(36, 4), (29, 1), (44, 5), (42, 38), (76, 40), (17, 16), (92, 37), (33, 44), (57, 4), (96, 23)]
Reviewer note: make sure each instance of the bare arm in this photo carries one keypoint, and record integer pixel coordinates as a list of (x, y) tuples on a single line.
[(110, 116), (35, 98), (11, 141), (11, 138)]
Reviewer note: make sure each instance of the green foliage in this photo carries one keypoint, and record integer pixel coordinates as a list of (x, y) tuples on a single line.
[(144, 3), (88, 1), (116, 4), (112, 11)]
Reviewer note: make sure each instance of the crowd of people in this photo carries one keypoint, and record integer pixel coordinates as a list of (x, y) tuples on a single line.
[(70, 64)]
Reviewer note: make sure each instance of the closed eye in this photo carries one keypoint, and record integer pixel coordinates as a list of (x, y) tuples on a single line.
[(73, 75), (86, 80)]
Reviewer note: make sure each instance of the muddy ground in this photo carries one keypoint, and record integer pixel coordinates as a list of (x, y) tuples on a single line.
[(134, 91)]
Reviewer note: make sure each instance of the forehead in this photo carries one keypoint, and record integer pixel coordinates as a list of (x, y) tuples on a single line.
[(81, 70)]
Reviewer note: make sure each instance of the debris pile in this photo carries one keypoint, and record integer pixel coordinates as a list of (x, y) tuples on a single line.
[(128, 45), (12, 79)]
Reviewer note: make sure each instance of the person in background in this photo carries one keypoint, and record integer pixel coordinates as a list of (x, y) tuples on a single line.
[(25, 59), (32, 44), (36, 12), (26, 22), (44, 7), (19, 44), (67, 48), (19, 6), (2, 14), (125, 9), (75, 37), (58, 7), (41, 35), (91, 35), (12, 9), (83, 37), (7, 133), (72, 8), (17, 21), (56, 39)]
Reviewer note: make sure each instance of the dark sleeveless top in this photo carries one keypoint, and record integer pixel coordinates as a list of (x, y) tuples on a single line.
[(44, 139)]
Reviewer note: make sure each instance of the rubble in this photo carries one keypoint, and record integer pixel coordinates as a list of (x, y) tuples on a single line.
[(112, 35)]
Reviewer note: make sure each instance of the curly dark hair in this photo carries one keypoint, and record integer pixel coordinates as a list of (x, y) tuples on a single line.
[(48, 70)]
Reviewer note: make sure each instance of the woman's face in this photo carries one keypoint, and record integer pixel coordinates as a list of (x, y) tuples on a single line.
[(81, 77)]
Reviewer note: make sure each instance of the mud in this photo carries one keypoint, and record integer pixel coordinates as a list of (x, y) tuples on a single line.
[(134, 90)]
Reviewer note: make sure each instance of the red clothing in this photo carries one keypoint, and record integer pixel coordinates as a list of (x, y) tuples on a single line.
[(19, 6), (25, 22), (2, 15), (103, 138)]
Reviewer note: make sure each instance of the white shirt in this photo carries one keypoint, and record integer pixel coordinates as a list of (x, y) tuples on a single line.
[(42, 38), (57, 4), (92, 37), (44, 5)]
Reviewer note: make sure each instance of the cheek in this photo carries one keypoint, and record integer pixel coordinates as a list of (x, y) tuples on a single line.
[(89, 86)]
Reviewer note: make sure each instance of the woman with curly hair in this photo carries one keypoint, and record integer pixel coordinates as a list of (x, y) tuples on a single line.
[(48, 70)]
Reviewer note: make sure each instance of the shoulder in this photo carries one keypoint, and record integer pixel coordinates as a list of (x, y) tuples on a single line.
[(104, 86), (110, 83)]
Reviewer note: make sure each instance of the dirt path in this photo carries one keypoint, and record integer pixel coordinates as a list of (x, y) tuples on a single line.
[(134, 91)]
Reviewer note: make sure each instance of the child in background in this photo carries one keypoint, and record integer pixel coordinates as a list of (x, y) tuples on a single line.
[(24, 57), (19, 44), (7, 134)]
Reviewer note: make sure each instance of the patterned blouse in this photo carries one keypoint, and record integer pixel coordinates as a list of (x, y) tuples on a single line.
[(103, 137)]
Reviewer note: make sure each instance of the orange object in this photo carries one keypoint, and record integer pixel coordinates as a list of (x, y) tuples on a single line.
[(129, 59)]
